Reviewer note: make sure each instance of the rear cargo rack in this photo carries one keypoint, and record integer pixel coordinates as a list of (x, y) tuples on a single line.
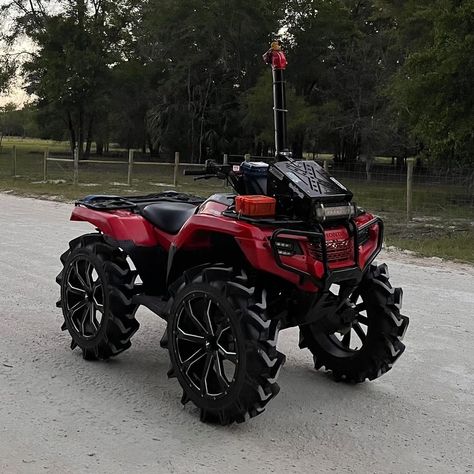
[(115, 203)]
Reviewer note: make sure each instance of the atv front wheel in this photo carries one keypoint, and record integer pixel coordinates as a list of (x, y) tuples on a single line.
[(96, 288), (222, 345), (372, 344)]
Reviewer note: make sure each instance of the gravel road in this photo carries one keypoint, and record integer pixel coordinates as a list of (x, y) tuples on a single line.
[(62, 414)]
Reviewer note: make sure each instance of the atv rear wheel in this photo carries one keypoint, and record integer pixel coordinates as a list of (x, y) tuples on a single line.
[(373, 342), (222, 345), (96, 287)]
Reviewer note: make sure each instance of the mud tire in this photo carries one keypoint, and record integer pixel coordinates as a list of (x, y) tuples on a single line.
[(383, 343), (254, 338), (117, 325)]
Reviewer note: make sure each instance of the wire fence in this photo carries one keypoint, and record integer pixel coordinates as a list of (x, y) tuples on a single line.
[(440, 196)]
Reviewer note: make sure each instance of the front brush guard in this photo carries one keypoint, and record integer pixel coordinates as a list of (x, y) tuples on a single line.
[(350, 274)]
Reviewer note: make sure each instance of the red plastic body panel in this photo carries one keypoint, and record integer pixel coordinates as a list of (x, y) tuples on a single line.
[(123, 225), (253, 240)]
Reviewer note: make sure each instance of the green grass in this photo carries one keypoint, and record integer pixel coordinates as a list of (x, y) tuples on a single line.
[(443, 224), (33, 144), (454, 246)]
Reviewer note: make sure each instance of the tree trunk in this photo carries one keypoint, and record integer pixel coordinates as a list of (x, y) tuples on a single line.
[(203, 111), (80, 134), (150, 145), (72, 132), (99, 148), (89, 139)]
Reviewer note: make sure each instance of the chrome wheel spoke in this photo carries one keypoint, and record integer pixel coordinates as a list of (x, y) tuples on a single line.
[(194, 338), (221, 378), (93, 319), (98, 303), (80, 278), (193, 358), (207, 319), (85, 297), (86, 316), (205, 345), (70, 288), (221, 329), (88, 275), (189, 311), (205, 373), (230, 356), (77, 307)]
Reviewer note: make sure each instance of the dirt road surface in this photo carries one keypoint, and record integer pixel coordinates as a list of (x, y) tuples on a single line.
[(59, 413)]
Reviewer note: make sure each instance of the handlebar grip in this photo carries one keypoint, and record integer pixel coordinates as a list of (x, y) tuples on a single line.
[(194, 172)]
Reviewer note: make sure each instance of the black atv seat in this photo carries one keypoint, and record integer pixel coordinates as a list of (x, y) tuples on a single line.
[(168, 216)]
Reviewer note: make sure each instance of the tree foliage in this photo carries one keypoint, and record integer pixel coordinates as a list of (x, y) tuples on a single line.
[(434, 89), (7, 73), (365, 77)]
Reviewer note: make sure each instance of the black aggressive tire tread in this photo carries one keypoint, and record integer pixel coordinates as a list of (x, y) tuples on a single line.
[(384, 343), (121, 324), (263, 360)]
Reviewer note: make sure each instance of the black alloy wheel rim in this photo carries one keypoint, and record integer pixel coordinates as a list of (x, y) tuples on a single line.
[(351, 342), (205, 345), (84, 295)]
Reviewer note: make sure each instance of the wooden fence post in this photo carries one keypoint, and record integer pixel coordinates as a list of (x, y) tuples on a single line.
[(176, 168), (326, 165), (410, 163), (45, 165), (76, 166), (130, 167), (225, 161), (14, 161)]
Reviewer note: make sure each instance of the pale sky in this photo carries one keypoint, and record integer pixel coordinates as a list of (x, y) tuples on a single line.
[(16, 93)]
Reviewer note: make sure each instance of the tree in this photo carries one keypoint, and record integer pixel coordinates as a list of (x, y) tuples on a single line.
[(210, 54), (76, 47), (433, 89), (7, 73), (339, 62)]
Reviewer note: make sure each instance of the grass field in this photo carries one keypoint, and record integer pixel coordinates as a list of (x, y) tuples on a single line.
[(443, 223)]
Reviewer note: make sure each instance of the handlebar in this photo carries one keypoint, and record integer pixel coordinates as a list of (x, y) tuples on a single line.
[(194, 172), (212, 170)]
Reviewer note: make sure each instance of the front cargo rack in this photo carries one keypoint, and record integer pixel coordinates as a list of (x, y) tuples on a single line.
[(263, 221)]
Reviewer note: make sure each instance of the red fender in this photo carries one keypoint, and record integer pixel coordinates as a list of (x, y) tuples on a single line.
[(120, 225)]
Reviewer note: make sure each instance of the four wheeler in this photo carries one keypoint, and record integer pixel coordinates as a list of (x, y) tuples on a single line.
[(227, 273)]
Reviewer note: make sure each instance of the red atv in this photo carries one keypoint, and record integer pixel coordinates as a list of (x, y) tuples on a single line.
[(229, 272)]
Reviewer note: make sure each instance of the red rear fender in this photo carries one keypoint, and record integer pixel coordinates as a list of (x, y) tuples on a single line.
[(121, 225)]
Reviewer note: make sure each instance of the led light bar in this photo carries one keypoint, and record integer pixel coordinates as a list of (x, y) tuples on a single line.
[(285, 248), (324, 213), (288, 248)]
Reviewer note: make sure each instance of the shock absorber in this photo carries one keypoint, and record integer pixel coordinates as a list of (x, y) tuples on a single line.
[(276, 57)]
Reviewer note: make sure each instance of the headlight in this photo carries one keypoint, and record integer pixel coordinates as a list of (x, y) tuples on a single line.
[(288, 248), (324, 213)]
